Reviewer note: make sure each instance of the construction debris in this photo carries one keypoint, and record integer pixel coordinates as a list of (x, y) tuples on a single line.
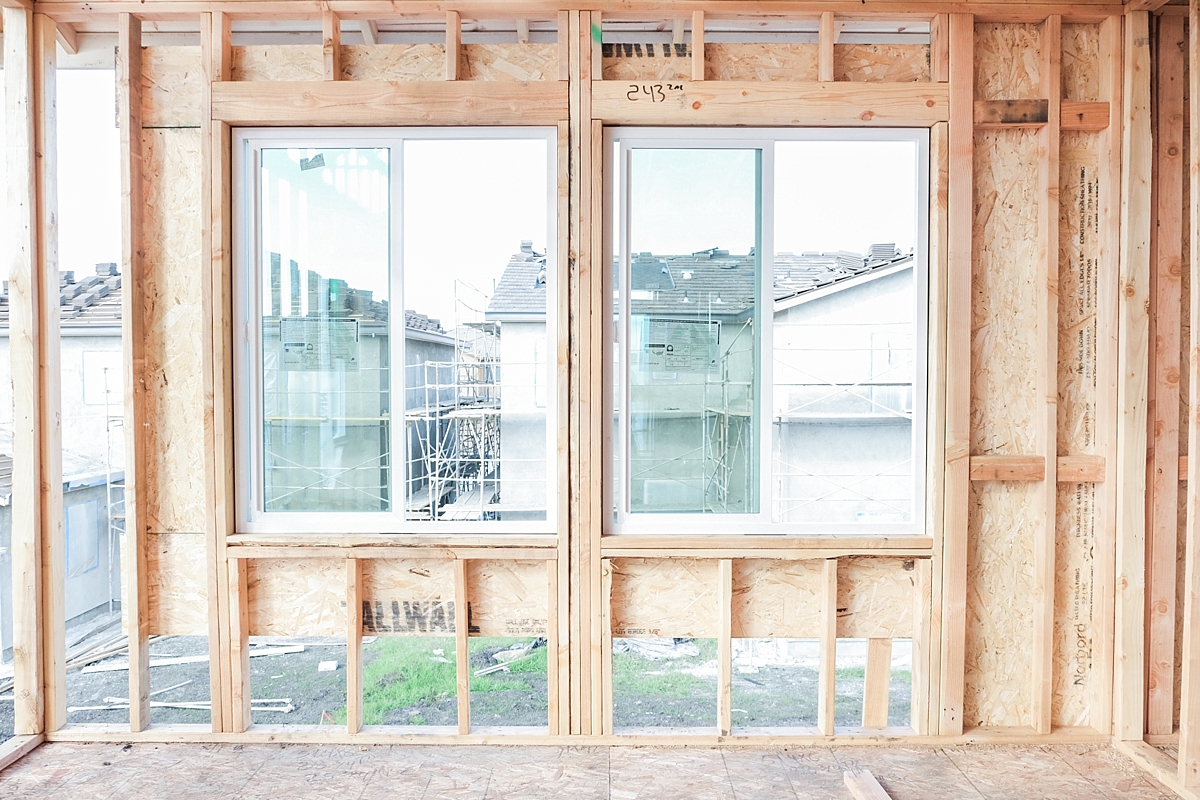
[(657, 648)]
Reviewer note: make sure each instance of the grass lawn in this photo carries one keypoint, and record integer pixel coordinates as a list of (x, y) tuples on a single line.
[(411, 680)]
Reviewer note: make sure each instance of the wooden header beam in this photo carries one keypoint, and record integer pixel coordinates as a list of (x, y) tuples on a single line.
[(379, 103), (911, 105)]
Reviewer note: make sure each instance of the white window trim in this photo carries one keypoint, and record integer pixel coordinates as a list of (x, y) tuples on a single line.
[(247, 333), (760, 523)]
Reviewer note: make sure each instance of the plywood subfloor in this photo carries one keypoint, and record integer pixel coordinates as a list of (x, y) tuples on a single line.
[(298, 772)]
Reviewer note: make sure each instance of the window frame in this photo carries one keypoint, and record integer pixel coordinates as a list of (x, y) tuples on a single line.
[(618, 141), (247, 332)]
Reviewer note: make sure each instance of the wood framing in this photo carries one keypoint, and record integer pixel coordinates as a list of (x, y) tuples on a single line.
[(133, 338), (1039, 218), (22, 230), (958, 370), (1163, 484), (1189, 702), (1130, 468), (1046, 412)]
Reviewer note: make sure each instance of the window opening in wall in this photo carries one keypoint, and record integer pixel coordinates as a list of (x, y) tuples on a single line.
[(456, 227), (775, 684), (873, 696), (411, 681), (508, 683), (298, 680), (768, 362), (664, 683), (92, 399)]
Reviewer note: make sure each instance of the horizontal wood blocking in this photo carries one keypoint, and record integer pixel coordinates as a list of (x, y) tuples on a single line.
[(755, 103), (384, 103), (435, 553), (1070, 469), (767, 547), (390, 540), (1074, 116)]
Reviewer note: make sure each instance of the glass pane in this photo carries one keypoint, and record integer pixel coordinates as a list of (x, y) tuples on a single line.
[(692, 332), (843, 331), (477, 355), (324, 264)]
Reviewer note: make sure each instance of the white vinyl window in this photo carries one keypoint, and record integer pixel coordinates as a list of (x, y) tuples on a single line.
[(393, 293), (767, 364)]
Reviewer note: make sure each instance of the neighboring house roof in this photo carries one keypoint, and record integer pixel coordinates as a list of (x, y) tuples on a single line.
[(721, 282), (86, 301), (94, 301), (522, 288)]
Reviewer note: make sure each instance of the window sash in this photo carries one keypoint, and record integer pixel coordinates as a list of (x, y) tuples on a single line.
[(247, 331), (618, 144)]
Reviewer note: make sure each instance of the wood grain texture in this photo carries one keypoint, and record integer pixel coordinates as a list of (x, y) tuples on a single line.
[(136, 595), (379, 103), (1133, 359), (757, 103), (1163, 389), (958, 374), (23, 242)]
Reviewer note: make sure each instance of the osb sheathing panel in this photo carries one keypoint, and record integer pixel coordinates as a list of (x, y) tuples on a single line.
[(397, 62), (408, 596), (1079, 252), (774, 599), (507, 598), (1007, 61), (767, 62), (393, 62), (297, 597), (278, 62), (875, 597), (509, 62), (760, 62), (1002, 518), (999, 605), (177, 570), (1081, 61), (881, 63), (1004, 303), (172, 87), (662, 62), (657, 597), (174, 472)]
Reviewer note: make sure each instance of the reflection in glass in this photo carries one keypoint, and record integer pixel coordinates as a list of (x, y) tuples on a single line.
[(693, 310), (475, 351), (325, 315)]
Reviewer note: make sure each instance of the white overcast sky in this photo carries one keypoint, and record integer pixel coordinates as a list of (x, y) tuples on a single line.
[(469, 203), (829, 195), (89, 177)]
